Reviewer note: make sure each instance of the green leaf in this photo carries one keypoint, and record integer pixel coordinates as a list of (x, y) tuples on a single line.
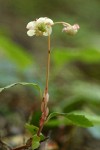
[(31, 128), (63, 55), (35, 142), (80, 120), (58, 122), (21, 83), (42, 137), (76, 119), (95, 119), (87, 90), (15, 52)]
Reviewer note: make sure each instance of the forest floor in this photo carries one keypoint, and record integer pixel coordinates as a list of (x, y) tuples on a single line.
[(15, 112)]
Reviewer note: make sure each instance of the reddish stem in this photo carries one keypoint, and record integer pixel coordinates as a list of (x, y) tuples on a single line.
[(43, 116)]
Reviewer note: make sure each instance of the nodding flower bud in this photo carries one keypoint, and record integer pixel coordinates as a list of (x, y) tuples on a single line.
[(71, 30)]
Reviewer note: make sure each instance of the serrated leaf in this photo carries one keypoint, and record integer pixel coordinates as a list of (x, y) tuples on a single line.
[(95, 119), (80, 120), (21, 83), (76, 119), (35, 142), (31, 128)]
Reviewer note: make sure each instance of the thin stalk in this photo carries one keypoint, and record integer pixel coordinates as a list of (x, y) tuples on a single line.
[(63, 23), (42, 119), (39, 131), (48, 66)]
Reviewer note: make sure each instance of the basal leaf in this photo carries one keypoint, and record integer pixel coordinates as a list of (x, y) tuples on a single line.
[(21, 83), (79, 120), (42, 137), (54, 114), (35, 145), (95, 119), (31, 128), (58, 122), (75, 119), (35, 142)]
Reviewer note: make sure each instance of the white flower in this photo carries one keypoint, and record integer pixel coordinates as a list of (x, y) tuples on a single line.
[(49, 21), (71, 30), (30, 25), (42, 26)]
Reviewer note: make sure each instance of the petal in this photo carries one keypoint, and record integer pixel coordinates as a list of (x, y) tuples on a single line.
[(49, 21), (45, 33), (31, 25), (41, 20), (31, 32), (48, 31), (76, 26)]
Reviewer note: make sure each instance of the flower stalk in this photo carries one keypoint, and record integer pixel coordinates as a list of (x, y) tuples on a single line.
[(48, 66), (44, 107)]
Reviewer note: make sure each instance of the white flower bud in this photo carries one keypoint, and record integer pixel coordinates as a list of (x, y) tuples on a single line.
[(71, 30)]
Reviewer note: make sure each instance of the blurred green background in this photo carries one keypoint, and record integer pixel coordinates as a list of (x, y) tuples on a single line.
[(75, 60)]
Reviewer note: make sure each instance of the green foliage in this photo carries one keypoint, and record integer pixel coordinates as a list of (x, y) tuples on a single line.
[(21, 83), (31, 128), (35, 142), (15, 52), (88, 91), (35, 139), (89, 55), (74, 118), (95, 119), (78, 118)]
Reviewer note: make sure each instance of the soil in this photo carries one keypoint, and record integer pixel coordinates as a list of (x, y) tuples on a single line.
[(75, 139)]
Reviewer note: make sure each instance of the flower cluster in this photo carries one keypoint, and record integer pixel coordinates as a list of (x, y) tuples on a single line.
[(42, 26), (71, 30)]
